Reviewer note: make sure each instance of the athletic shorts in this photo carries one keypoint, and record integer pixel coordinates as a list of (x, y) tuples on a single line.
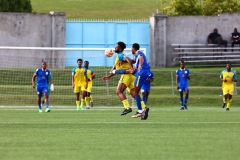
[(140, 78), (228, 90), (89, 89), (80, 88), (128, 80), (42, 89), (183, 88), (145, 88)]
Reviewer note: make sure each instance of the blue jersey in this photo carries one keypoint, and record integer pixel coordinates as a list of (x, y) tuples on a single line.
[(43, 77), (182, 76), (145, 64)]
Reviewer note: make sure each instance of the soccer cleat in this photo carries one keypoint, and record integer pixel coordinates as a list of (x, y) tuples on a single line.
[(185, 106), (47, 110), (91, 104), (227, 109), (126, 111), (138, 115), (82, 108), (145, 114), (88, 107), (182, 108), (40, 111), (223, 105)]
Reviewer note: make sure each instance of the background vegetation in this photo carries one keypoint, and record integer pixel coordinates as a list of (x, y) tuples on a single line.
[(15, 6)]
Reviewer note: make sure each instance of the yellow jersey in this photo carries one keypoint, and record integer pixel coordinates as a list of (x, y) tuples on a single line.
[(228, 76), (79, 76), (123, 65)]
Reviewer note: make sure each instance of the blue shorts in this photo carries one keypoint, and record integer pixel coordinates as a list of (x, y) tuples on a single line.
[(140, 78), (183, 88), (146, 87), (42, 89)]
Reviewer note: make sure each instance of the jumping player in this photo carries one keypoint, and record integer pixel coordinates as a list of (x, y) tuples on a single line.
[(228, 77), (126, 80), (182, 77), (141, 74), (43, 78), (79, 83)]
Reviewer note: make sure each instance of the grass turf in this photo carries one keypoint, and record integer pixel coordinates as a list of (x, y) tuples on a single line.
[(104, 9), (101, 134)]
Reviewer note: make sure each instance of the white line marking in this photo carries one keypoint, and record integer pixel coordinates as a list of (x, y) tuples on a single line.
[(141, 122)]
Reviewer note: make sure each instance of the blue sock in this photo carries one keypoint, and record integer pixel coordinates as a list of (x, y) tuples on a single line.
[(120, 71), (181, 101), (46, 104), (145, 100), (39, 106), (138, 101), (186, 99)]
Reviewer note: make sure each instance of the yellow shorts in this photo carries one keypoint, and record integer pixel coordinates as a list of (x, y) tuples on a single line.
[(228, 90), (78, 89), (128, 80), (89, 89)]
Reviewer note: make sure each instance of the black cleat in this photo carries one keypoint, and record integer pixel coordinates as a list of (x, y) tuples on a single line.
[(145, 114), (185, 106), (126, 111), (91, 104), (223, 105), (227, 109), (182, 108)]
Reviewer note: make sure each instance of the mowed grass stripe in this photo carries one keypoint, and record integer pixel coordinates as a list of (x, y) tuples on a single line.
[(169, 134)]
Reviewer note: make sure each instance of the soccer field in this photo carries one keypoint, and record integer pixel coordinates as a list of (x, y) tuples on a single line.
[(99, 133)]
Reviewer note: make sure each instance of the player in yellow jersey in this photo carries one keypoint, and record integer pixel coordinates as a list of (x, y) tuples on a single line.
[(228, 77), (79, 83), (90, 77), (126, 81)]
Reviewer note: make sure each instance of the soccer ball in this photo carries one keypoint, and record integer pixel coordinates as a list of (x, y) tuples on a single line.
[(109, 52)]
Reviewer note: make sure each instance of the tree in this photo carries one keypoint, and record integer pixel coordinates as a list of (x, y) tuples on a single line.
[(15, 6), (200, 7), (213, 7)]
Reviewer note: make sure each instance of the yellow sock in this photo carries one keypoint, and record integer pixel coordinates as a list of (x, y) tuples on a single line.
[(82, 102), (78, 103), (143, 105), (229, 103), (87, 101), (125, 103), (90, 98)]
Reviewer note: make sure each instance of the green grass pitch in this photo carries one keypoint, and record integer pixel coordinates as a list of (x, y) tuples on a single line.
[(102, 134)]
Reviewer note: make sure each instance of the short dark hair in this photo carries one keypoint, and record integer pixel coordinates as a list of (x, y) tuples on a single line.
[(122, 45), (86, 62), (136, 46), (79, 60), (182, 61)]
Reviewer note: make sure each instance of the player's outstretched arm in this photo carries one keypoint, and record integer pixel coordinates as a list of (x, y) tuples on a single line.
[(108, 77)]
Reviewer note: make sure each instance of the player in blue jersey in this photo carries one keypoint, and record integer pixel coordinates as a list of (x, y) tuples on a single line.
[(43, 79), (182, 77), (146, 87), (142, 71)]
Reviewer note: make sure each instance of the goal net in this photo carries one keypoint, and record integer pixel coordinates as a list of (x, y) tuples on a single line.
[(17, 65)]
